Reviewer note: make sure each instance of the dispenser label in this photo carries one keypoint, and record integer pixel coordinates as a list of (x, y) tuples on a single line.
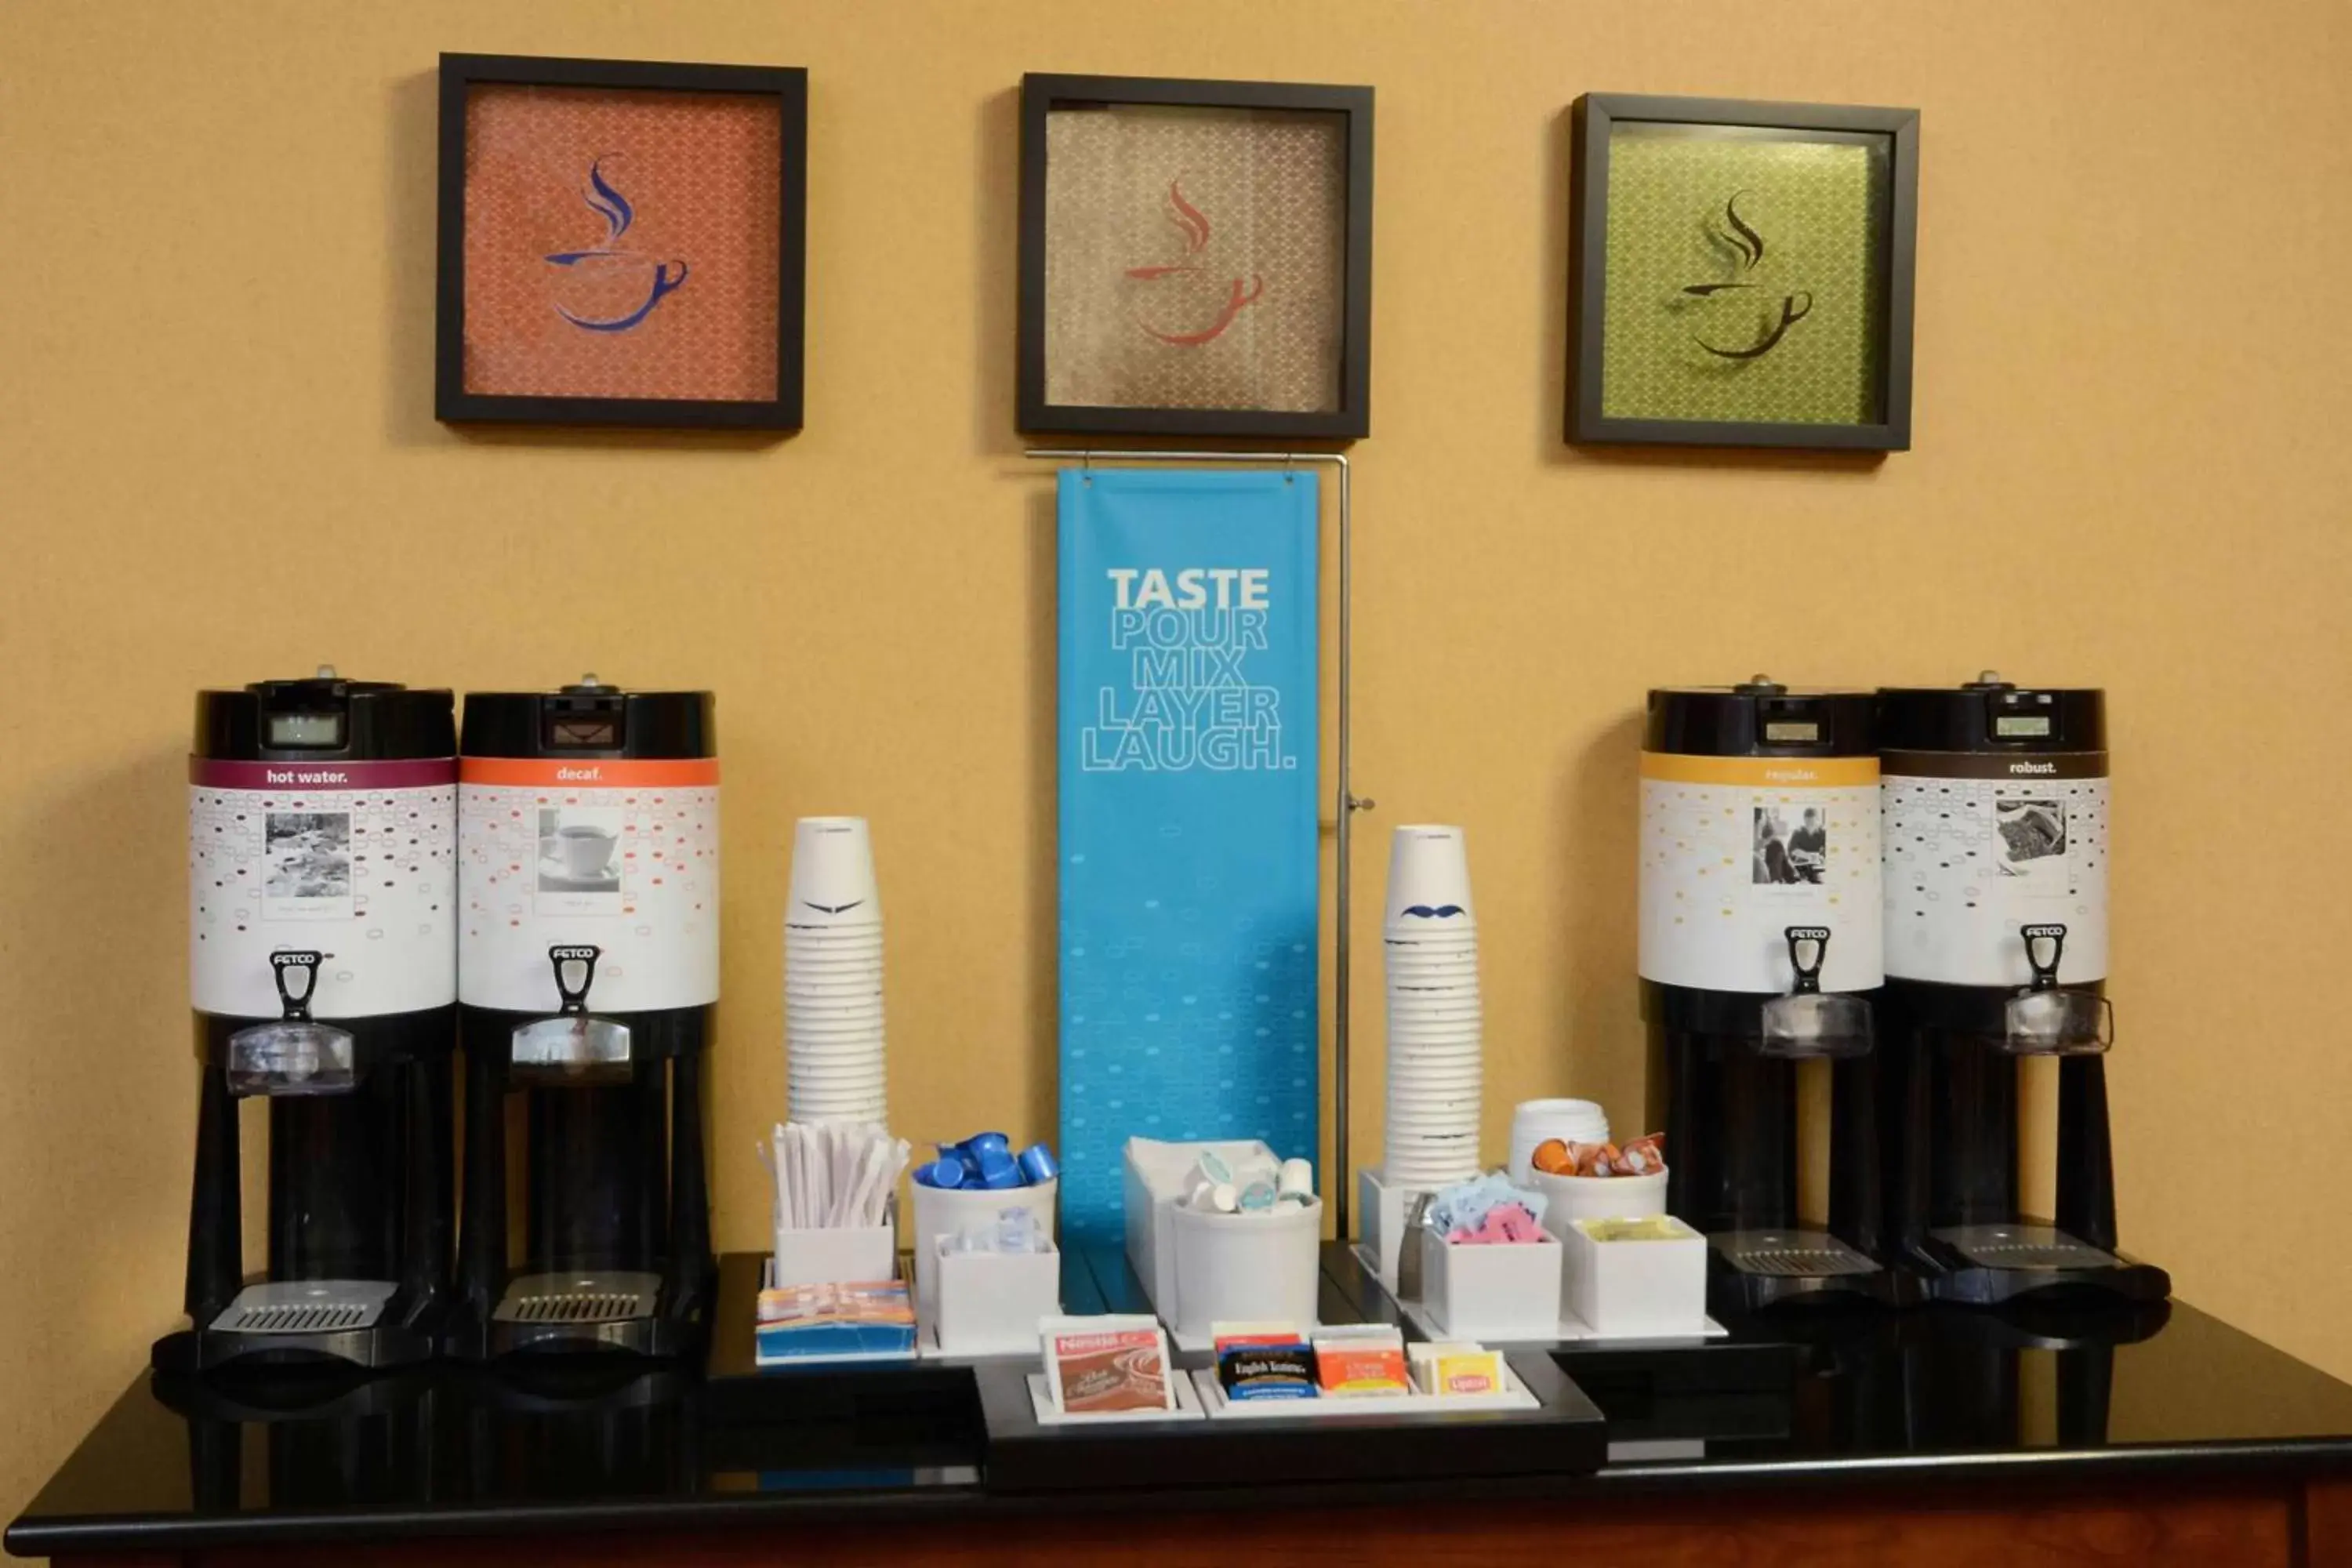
[(1736, 850), (623, 854), (1980, 848), (355, 859)]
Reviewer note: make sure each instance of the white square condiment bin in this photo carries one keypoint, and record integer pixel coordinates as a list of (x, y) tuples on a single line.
[(1637, 1288), (945, 1211), (989, 1302), (1500, 1289), (845, 1256)]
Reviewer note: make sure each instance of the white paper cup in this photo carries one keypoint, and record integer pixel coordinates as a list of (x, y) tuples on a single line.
[(831, 970), (803, 1085), (1429, 869), (833, 882), (1446, 966), (1408, 1053), (1427, 1070), (797, 954), (818, 1046), (1408, 1008), (1428, 1126), (833, 938), (844, 993), (1425, 940), (875, 1110), (836, 1037)]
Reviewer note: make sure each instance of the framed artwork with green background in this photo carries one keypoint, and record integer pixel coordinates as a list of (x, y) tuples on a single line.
[(1740, 273)]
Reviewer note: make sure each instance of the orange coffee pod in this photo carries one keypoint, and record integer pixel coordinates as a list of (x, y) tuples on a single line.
[(1553, 1158)]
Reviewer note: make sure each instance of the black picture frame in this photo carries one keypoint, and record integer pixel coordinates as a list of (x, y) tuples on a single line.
[(1041, 93), (1592, 118), (460, 73)]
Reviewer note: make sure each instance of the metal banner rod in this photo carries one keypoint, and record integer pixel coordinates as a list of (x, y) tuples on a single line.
[(1337, 1184)]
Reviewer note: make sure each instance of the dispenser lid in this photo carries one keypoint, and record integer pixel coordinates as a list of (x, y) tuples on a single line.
[(589, 719), (1989, 714), (323, 717), (1761, 718)]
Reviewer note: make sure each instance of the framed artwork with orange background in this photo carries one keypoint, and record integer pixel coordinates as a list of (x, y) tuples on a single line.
[(1196, 258), (622, 242)]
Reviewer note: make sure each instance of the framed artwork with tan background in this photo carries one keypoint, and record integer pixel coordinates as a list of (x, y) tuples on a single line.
[(1740, 274), (622, 242), (1195, 257)]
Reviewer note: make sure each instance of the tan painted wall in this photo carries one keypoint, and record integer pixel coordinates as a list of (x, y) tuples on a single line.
[(218, 462)]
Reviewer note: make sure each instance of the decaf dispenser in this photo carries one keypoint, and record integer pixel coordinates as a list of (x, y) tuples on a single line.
[(588, 839), (1996, 920), (322, 968), (1760, 952)]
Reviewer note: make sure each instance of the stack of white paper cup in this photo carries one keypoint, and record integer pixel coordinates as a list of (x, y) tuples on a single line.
[(1435, 1044), (832, 974)]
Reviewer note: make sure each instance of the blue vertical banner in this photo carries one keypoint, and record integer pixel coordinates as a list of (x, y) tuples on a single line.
[(1191, 877)]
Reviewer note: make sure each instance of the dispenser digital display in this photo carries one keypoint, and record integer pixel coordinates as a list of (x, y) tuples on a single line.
[(584, 731), (289, 730), (1792, 732), (2020, 726)]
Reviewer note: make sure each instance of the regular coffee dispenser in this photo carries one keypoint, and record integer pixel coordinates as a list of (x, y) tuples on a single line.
[(1760, 953), (322, 970), (1998, 844), (588, 840)]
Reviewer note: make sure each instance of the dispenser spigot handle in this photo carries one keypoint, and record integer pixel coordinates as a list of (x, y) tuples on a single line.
[(1809, 949), (567, 960), (2040, 938), (295, 971)]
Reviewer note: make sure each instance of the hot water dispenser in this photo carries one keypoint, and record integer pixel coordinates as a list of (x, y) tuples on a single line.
[(322, 968)]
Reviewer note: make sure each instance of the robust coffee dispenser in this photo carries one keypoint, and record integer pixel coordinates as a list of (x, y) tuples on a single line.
[(322, 967), (1759, 944), (588, 837), (1996, 919)]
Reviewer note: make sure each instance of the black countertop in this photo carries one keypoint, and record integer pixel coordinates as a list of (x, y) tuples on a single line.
[(1912, 1399)]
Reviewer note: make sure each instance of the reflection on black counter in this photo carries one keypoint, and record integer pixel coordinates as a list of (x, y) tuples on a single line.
[(1867, 1396)]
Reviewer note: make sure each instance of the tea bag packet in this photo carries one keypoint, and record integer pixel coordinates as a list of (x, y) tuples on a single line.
[(1264, 1361), (1451, 1370), (1359, 1361)]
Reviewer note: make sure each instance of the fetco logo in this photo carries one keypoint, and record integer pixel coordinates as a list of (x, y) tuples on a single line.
[(2034, 767)]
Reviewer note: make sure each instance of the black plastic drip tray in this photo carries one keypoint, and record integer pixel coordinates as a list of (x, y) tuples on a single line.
[(1565, 1434)]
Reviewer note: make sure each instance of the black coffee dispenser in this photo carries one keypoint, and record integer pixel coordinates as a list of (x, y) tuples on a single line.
[(322, 967), (1758, 951), (588, 836), (1996, 850)]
